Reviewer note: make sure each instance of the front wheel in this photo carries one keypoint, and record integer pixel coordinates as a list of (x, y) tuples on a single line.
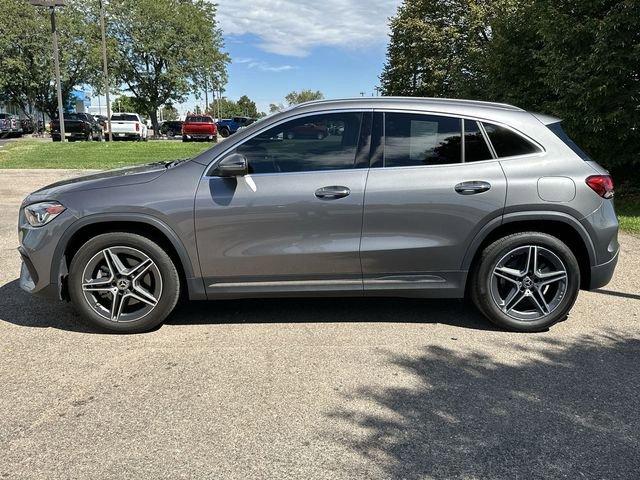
[(123, 282), (526, 281)]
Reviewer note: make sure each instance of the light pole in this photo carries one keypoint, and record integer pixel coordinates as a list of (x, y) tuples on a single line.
[(52, 4), (105, 70)]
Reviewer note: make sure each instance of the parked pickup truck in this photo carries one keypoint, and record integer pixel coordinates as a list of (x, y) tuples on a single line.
[(128, 126), (229, 126), (199, 127), (77, 126), (10, 125)]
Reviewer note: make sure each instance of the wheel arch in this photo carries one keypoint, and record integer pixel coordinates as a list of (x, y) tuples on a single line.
[(560, 225), (145, 225)]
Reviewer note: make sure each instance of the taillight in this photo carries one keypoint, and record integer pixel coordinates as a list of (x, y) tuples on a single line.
[(601, 184), (137, 127)]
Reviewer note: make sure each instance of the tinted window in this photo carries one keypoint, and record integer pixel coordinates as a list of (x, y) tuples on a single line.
[(319, 142), (507, 143), (475, 148), (560, 133), (412, 139), (124, 117)]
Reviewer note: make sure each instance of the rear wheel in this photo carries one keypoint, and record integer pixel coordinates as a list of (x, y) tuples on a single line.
[(123, 282), (224, 131), (526, 281)]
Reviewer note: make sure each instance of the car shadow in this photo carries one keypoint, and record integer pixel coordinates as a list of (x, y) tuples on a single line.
[(21, 308), (559, 408)]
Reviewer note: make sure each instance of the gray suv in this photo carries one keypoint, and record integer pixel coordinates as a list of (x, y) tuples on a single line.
[(404, 197)]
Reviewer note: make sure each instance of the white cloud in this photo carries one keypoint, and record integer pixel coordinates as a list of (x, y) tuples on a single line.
[(263, 66), (294, 27)]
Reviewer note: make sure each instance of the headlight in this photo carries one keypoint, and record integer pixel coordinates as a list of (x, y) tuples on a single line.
[(39, 214)]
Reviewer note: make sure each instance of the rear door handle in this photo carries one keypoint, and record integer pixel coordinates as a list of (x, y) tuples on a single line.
[(473, 187), (333, 192)]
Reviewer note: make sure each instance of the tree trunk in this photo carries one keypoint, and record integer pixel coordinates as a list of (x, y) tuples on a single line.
[(154, 122)]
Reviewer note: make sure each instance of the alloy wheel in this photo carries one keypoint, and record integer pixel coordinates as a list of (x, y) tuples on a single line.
[(529, 282), (121, 284)]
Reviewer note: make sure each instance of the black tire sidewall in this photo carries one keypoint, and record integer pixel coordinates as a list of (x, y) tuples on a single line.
[(170, 281), (481, 294)]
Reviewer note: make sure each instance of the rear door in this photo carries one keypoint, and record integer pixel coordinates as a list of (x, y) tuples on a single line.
[(294, 223), (424, 203)]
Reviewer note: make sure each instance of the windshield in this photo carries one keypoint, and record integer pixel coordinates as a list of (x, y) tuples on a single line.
[(561, 134)]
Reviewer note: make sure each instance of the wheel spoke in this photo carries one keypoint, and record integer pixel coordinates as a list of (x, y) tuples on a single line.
[(551, 277), (532, 260), (539, 300), (514, 298), (117, 303), (114, 262), (98, 285), (143, 296), (510, 274), (140, 269)]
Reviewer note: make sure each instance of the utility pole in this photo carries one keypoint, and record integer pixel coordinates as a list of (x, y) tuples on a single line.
[(105, 69), (206, 95), (52, 4)]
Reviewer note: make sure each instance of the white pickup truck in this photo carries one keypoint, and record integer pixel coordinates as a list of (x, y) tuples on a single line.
[(128, 126)]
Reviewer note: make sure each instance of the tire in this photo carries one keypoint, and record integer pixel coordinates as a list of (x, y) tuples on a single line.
[(539, 300), (171, 133), (185, 139), (93, 279), (224, 131)]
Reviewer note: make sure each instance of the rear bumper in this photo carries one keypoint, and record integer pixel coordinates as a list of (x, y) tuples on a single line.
[(125, 136), (602, 274)]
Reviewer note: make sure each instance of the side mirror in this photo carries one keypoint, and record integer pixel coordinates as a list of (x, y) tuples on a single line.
[(235, 165)]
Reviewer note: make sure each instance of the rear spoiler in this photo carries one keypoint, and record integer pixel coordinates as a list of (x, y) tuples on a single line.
[(546, 119)]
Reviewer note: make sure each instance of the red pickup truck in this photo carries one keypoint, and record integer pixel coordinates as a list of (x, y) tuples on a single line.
[(199, 127)]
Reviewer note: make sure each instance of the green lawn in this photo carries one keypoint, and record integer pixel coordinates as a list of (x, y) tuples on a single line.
[(94, 155), (628, 210)]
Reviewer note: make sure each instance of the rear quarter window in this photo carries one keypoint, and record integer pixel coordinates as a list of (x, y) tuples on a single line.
[(556, 128), (508, 143)]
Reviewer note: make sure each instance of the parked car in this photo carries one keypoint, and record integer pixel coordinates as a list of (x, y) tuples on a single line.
[(10, 125), (199, 127), (77, 126), (128, 126), (462, 198), (308, 130), (229, 126), (171, 128)]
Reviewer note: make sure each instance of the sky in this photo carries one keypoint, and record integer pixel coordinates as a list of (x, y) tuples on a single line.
[(276, 46)]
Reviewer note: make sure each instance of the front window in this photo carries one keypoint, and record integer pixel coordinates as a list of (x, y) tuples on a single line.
[(313, 143)]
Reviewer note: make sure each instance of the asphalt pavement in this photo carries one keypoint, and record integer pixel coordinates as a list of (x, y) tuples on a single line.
[(316, 389)]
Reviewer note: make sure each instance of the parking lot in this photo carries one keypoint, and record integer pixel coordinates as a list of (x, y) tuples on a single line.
[(322, 389)]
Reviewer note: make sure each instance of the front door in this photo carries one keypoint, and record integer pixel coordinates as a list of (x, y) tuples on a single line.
[(294, 222), (427, 196)]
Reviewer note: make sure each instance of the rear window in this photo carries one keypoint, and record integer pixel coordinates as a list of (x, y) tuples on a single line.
[(560, 133), (199, 119), (123, 117), (508, 143)]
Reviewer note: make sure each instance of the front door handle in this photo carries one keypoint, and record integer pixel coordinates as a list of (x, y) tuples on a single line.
[(333, 192), (471, 188)]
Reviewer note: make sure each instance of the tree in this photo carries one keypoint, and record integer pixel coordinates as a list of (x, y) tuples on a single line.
[(26, 70), (275, 107), (437, 47), (574, 59), (163, 48), (248, 107), (294, 98)]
